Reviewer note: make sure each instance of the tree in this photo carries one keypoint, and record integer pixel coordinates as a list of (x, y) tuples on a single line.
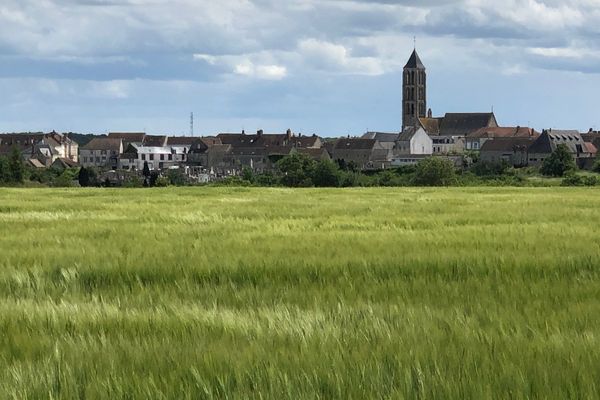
[(326, 174), (297, 170), (15, 166), (146, 170), (435, 171), (559, 162), (4, 170), (84, 177)]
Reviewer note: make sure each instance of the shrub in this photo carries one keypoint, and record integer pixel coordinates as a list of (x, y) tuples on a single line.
[(435, 171), (176, 177), (559, 162), (486, 168), (162, 181), (597, 166), (265, 179), (326, 174), (297, 170)]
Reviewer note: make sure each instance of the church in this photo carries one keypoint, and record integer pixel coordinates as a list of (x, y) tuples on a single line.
[(415, 113)]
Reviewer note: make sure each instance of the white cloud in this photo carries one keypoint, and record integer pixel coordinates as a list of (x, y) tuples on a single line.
[(267, 72)]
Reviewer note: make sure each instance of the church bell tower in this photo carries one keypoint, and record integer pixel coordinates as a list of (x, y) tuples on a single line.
[(414, 91)]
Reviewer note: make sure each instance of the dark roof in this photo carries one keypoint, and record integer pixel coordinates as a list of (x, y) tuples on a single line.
[(591, 137), (132, 137), (407, 134), (155, 141), (239, 140), (381, 136), (414, 61), (66, 162), (502, 132), (431, 125), (181, 140), (355, 144), (548, 140), (103, 144), (507, 144), (304, 141), (457, 124)]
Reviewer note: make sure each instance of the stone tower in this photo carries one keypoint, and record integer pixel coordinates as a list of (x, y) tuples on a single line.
[(414, 91)]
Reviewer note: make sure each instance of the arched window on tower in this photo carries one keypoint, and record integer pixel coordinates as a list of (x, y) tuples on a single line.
[(412, 109)]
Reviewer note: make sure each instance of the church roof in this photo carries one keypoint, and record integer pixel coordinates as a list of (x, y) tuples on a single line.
[(414, 61), (461, 124)]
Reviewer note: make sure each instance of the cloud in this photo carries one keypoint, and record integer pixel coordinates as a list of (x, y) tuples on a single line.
[(269, 72)]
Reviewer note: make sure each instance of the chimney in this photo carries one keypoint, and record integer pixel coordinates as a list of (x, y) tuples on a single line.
[(243, 132), (259, 132), (429, 113), (288, 133)]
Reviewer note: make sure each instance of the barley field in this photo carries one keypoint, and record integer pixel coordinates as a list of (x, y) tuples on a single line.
[(243, 293)]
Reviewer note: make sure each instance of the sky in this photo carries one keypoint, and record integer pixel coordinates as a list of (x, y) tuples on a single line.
[(330, 67)]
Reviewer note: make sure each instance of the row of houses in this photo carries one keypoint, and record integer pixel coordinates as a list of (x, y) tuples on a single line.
[(228, 153), (42, 150)]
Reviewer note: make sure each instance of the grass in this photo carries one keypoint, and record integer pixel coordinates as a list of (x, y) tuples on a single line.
[(300, 294)]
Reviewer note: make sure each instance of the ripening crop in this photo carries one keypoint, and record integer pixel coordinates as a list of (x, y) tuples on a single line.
[(243, 293)]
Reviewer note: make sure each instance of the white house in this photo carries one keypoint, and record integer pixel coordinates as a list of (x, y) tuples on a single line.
[(413, 141), (157, 157)]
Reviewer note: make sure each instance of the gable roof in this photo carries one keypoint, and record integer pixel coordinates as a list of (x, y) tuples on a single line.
[(457, 124), (414, 61), (181, 140), (104, 143), (354, 144), (431, 125), (503, 132), (155, 141), (507, 144), (381, 136), (65, 162), (408, 133), (546, 143), (133, 137)]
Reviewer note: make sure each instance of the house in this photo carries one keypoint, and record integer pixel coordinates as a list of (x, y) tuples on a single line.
[(317, 154), (209, 154), (64, 163), (128, 137), (445, 145), (547, 142), (364, 153), (413, 141), (261, 151), (475, 140), (386, 140), (101, 152), (135, 156), (513, 150), (46, 147)]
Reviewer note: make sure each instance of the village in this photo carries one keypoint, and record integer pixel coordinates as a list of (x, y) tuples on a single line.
[(462, 138)]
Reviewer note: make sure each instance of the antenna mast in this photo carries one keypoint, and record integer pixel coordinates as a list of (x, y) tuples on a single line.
[(192, 124)]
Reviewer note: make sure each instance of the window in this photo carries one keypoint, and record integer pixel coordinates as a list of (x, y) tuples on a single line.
[(170, 157), (151, 157), (97, 159), (103, 152), (162, 157)]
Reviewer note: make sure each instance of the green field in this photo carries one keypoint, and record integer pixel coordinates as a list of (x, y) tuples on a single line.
[(213, 293)]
